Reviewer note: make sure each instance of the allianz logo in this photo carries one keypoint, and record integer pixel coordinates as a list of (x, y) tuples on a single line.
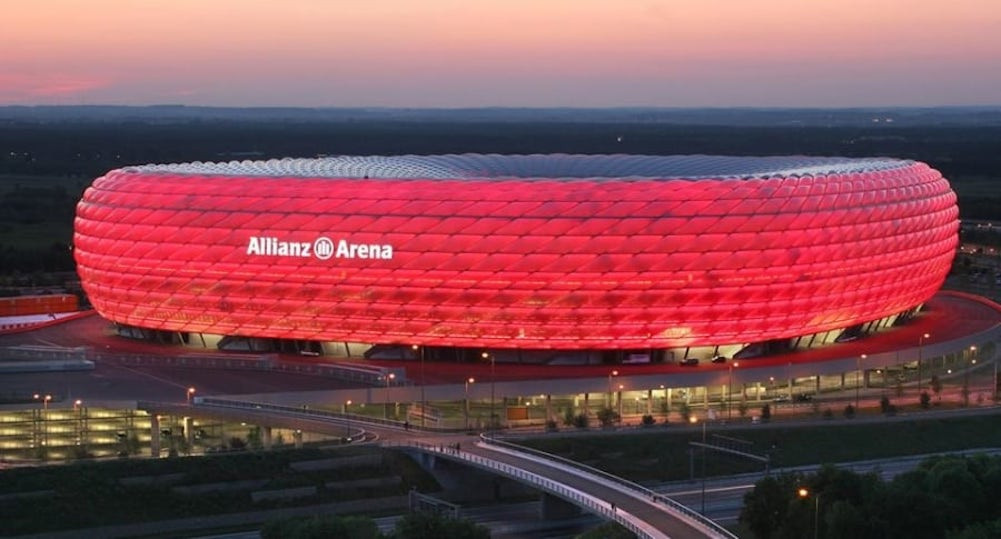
[(322, 248)]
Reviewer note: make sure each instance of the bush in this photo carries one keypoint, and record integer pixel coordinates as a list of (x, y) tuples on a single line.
[(580, 421), (828, 413), (648, 420), (849, 411), (607, 416), (884, 404), (686, 412), (925, 400), (568, 417), (766, 413)]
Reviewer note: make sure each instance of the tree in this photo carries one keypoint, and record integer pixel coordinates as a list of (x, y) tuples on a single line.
[(884, 405), (936, 387), (767, 506), (435, 526), (254, 438), (980, 530), (568, 417), (607, 416)]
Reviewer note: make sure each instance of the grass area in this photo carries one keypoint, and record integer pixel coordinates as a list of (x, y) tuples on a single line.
[(89, 494), (663, 456)]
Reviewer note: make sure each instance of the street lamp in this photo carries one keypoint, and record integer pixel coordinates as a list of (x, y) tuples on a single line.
[(966, 376), (389, 381), (693, 420), (921, 343), (729, 391), (469, 380), (805, 493), (78, 408), (423, 402), (493, 381), (620, 400), (858, 378), (45, 402), (610, 394), (347, 420), (191, 394)]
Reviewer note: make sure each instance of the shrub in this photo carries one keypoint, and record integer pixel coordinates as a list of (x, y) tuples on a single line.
[(580, 421), (884, 404), (925, 400), (849, 411), (828, 413), (648, 420), (766, 412), (607, 416), (686, 412)]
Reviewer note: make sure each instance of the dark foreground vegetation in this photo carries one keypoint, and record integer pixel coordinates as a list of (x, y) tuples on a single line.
[(91, 494), (950, 497), (49, 156)]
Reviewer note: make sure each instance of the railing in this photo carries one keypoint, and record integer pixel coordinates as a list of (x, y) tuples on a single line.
[(300, 411), (366, 374), (694, 518), (348, 420), (582, 499)]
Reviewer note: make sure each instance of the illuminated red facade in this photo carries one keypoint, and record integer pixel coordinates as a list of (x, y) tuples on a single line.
[(559, 251)]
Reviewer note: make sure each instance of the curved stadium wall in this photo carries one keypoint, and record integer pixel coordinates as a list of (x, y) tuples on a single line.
[(529, 251)]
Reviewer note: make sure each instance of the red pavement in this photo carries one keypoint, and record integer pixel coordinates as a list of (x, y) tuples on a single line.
[(947, 316)]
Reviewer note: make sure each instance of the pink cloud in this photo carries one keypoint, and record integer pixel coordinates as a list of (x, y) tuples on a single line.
[(23, 87)]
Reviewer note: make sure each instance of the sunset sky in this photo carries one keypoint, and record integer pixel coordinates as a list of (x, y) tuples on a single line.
[(468, 53)]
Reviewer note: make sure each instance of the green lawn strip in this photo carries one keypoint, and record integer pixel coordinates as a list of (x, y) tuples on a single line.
[(665, 456)]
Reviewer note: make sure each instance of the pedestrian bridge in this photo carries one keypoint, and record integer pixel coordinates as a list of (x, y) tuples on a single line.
[(638, 509)]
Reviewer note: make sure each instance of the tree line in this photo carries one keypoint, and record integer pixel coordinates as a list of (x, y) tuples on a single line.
[(948, 496)]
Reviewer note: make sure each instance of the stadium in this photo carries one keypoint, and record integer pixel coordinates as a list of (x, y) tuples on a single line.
[(538, 258)]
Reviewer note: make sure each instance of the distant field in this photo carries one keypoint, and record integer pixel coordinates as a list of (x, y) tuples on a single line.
[(976, 186)]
